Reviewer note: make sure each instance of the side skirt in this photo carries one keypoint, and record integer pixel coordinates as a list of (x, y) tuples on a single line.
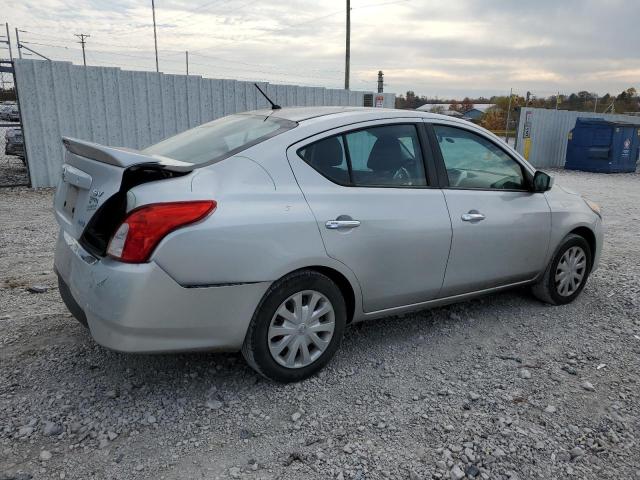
[(438, 302)]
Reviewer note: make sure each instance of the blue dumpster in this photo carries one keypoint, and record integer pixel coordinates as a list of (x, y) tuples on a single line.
[(598, 145)]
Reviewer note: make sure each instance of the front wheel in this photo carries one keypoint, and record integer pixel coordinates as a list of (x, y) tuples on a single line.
[(567, 274), (297, 327)]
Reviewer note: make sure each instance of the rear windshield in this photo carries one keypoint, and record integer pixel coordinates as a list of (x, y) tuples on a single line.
[(220, 139)]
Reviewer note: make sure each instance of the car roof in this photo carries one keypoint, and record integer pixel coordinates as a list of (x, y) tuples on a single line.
[(302, 114), (321, 118)]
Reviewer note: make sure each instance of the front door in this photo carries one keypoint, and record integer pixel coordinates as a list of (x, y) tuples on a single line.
[(500, 229), (369, 193)]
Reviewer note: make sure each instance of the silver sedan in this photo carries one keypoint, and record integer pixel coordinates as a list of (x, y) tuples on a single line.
[(271, 231)]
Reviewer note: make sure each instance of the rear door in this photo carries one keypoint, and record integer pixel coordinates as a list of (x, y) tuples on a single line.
[(501, 229), (369, 188)]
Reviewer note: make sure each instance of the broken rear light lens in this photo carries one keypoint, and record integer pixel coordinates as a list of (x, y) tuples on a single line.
[(144, 228)]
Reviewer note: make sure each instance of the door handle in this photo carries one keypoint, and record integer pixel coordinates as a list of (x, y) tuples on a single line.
[(339, 224), (472, 216)]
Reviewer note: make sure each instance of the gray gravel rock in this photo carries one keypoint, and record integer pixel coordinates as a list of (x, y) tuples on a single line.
[(456, 473), (214, 404), (588, 386), (37, 289), (524, 373), (16, 476), (472, 471), (420, 396), (52, 429), (45, 455), (576, 452)]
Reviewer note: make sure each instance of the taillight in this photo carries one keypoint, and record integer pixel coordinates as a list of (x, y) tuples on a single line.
[(145, 227)]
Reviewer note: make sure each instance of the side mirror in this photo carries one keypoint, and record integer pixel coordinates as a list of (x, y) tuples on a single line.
[(542, 182)]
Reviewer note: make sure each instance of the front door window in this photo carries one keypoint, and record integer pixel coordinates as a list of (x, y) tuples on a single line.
[(473, 162)]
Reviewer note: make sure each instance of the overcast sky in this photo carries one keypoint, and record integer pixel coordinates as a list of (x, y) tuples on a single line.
[(445, 48)]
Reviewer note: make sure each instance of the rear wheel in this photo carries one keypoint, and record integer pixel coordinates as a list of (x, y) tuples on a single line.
[(567, 274), (297, 327)]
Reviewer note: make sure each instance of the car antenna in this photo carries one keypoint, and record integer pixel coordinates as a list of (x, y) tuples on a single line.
[(273, 105)]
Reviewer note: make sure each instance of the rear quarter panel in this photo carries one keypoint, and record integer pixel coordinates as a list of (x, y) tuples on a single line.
[(261, 230)]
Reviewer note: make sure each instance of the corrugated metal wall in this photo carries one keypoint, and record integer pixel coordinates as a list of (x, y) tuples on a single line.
[(549, 130), (135, 109)]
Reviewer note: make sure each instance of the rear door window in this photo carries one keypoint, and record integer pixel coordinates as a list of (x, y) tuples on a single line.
[(388, 155), (328, 157)]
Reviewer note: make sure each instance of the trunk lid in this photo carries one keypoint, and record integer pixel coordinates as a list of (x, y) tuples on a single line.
[(96, 179)]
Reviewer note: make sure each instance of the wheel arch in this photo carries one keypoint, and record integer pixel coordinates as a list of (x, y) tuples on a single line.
[(590, 237), (345, 285)]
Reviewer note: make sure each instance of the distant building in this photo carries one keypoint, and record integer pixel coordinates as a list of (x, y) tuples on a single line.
[(472, 115)]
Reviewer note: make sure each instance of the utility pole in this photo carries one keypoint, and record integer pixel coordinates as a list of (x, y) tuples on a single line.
[(155, 36), (380, 81), (506, 130), (82, 36), (18, 43), (557, 100), (186, 57), (9, 41), (347, 59), (595, 107), (28, 49)]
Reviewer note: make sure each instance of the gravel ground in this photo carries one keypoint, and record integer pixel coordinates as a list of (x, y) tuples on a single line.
[(502, 387), (12, 170)]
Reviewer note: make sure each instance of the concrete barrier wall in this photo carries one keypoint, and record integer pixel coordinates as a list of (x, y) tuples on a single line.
[(547, 132), (135, 109)]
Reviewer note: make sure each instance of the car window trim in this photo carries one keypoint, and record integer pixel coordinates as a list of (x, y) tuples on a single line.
[(432, 156), (347, 157), (443, 178), (417, 123)]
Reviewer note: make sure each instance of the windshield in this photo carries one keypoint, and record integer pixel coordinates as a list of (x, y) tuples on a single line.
[(220, 139)]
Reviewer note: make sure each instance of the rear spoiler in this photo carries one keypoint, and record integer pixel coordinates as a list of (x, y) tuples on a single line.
[(122, 157)]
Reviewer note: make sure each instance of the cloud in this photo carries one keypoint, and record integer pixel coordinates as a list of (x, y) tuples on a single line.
[(433, 47)]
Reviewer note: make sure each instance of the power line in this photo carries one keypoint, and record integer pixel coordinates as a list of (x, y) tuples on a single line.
[(264, 71), (267, 32), (216, 68), (110, 44), (322, 70), (195, 10), (44, 44)]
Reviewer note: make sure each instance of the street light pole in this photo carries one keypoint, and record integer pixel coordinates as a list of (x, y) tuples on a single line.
[(348, 47), (155, 35)]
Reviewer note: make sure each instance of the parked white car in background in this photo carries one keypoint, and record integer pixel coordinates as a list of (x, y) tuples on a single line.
[(270, 231)]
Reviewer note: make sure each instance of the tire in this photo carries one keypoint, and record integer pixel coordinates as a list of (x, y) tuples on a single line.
[(549, 289), (262, 340)]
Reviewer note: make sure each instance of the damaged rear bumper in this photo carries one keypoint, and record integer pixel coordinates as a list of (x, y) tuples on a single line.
[(140, 308)]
